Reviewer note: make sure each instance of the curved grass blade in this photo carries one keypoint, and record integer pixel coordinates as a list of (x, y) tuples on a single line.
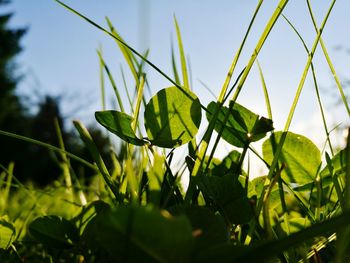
[(111, 79), (324, 49), (293, 107), (128, 47), (48, 146), (102, 81), (266, 93), (182, 56), (89, 143), (316, 86), (207, 136), (269, 249), (125, 51)]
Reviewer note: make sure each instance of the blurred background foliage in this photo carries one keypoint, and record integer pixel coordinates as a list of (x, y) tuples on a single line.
[(32, 163)]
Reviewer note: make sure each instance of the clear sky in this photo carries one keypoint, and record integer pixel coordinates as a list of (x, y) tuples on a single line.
[(60, 51)]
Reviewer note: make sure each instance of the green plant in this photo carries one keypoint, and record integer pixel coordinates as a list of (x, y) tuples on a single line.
[(289, 215)]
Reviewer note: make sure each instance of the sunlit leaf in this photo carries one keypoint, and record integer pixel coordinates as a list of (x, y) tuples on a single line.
[(257, 185), (172, 118), (300, 156), (7, 232), (118, 123)]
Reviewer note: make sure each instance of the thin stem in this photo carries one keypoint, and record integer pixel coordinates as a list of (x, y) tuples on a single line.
[(324, 49), (289, 119)]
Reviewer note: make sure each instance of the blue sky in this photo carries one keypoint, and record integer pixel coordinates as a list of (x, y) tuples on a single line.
[(60, 51)]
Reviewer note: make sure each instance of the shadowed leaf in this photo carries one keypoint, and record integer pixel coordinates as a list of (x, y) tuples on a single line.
[(242, 125)]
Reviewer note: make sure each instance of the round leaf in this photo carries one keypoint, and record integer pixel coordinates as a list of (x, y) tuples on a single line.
[(118, 123), (172, 118), (300, 155)]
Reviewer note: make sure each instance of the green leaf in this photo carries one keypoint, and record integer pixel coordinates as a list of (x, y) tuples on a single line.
[(88, 212), (228, 195), (172, 118), (7, 232), (337, 165), (119, 123), (257, 185), (301, 157), (140, 234), (209, 228), (155, 177), (229, 163), (296, 224), (263, 251), (223, 253), (54, 232), (242, 126)]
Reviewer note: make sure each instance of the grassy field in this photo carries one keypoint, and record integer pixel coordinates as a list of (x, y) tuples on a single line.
[(135, 208)]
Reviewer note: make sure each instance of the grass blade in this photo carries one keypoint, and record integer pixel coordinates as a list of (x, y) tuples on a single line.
[(182, 56), (89, 143), (173, 63), (102, 81), (325, 52), (315, 84), (290, 116), (128, 47), (343, 244), (111, 79), (273, 248), (138, 103), (244, 76), (238, 53), (266, 94), (125, 51), (48, 146)]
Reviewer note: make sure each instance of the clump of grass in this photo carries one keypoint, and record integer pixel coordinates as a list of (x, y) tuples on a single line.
[(139, 209)]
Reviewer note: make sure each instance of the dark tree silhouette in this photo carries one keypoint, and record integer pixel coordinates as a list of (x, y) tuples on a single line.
[(33, 162), (13, 115)]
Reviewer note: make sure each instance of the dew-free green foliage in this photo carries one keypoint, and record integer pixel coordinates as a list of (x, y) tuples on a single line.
[(7, 232), (136, 210), (242, 126), (172, 118), (122, 235), (54, 231), (301, 157), (118, 123)]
